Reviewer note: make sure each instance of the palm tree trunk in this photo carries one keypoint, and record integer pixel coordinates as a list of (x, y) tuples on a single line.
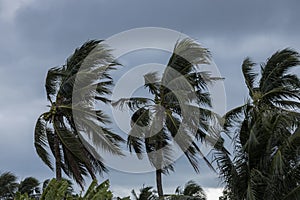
[(159, 184), (57, 158)]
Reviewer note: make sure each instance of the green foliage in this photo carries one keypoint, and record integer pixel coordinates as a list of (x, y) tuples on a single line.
[(146, 193), (58, 190), (266, 133), (19, 196), (8, 185), (191, 191), (29, 185), (72, 90), (178, 111)]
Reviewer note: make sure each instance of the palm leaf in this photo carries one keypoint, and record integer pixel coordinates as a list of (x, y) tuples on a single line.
[(249, 75), (152, 82), (133, 103), (40, 141), (186, 55), (277, 65), (53, 81)]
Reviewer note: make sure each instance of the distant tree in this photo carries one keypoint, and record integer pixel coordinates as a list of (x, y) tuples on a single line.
[(74, 88), (29, 185), (8, 185), (146, 193), (191, 191)]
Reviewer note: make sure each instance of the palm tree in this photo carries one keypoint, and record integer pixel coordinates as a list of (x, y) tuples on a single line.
[(191, 191), (266, 160), (176, 113), (146, 193), (8, 185), (29, 185), (72, 121)]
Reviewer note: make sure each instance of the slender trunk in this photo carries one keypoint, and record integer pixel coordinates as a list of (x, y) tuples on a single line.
[(159, 184), (158, 151), (57, 158)]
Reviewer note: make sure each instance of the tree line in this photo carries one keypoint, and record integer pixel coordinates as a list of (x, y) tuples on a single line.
[(264, 164), (31, 189)]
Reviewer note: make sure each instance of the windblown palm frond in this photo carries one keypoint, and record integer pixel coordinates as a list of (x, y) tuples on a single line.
[(249, 75)]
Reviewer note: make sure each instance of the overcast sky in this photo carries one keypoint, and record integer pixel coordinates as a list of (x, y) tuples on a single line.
[(36, 35)]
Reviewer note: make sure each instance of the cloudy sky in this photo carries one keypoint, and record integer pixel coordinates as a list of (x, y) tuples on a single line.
[(36, 35)]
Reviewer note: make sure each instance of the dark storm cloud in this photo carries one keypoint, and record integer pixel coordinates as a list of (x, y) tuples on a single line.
[(65, 21), (37, 35)]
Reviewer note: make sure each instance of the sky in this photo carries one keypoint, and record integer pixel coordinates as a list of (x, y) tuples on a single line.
[(37, 35)]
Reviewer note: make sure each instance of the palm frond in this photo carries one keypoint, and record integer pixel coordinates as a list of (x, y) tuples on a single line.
[(40, 141), (74, 167), (135, 144), (93, 156), (75, 61), (132, 103), (276, 67), (233, 116), (187, 54), (249, 75), (152, 82), (101, 137), (53, 82), (293, 195), (69, 140)]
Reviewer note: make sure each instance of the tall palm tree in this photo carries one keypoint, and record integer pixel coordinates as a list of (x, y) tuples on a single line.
[(8, 185), (266, 132), (178, 111), (72, 121)]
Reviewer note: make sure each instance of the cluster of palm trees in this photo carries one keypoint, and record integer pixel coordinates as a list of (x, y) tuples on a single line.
[(264, 164), (9, 186), (30, 189), (190, 191)]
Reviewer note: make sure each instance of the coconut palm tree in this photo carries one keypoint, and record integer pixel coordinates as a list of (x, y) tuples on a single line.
[(146, 193), (73, 128), (266, 133), (29, 185), (177, 112), (8, 185), (191, 191)]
